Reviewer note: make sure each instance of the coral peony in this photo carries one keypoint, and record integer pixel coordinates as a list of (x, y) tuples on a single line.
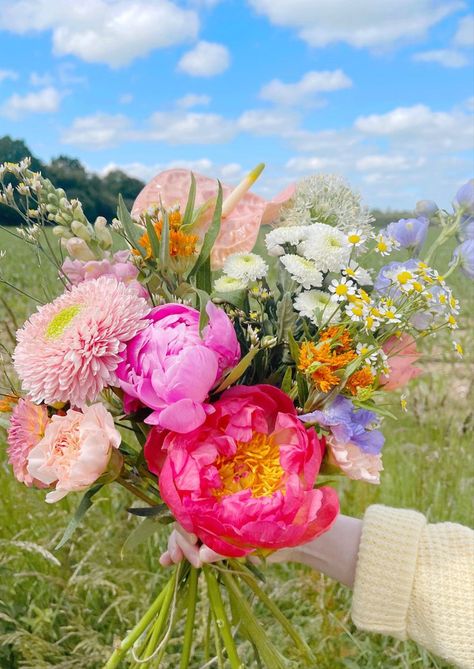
[(402, 354), (239, 230), (75, 450), (69, 350), (118, 266), (244, 479), (27, 426), (170, 367)]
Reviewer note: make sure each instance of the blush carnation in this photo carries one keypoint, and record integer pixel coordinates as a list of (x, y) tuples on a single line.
[(27, 426), (75, 450), (68, 350), (245, 478), (170, 366)]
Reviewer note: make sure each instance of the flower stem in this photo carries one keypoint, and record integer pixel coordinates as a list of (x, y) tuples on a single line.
[(220, 617), (191, 612)]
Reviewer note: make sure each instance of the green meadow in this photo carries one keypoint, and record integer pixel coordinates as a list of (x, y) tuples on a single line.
[(65, 608)]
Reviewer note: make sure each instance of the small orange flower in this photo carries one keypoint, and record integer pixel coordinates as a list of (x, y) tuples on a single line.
[(322, 360), (180, 243), (360, 379), (7, 403)]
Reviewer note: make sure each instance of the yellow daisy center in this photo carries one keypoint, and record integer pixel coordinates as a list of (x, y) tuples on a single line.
[(354, 239), (59, 323), (341, 289), (404, 277)]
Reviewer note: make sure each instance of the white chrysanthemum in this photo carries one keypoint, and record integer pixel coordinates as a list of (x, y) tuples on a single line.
[(227, 284), (327, 198), (359, 274), (290, 235), (245, 266), (327, 246), (302, 271), (309, 302)]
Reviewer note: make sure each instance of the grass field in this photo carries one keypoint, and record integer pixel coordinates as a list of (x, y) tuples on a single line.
[(63, 609)]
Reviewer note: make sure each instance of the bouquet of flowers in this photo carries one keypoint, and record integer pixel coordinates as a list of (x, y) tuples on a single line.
[(220, 370)]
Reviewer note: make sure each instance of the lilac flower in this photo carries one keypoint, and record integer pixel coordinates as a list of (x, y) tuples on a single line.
[(465, 253), (410, 233), (465, 197), (466, 229), (349, 425), (426, 208), (382, 283)]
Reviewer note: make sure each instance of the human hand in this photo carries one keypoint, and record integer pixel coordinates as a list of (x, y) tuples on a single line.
[(182, 544)]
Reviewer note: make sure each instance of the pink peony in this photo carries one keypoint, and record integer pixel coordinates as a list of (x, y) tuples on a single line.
[(245, 478), (402, 354), (170, 368), (354, 462), (75, 450), (239, 230), (27, 426), (69, 350), (118, 266)]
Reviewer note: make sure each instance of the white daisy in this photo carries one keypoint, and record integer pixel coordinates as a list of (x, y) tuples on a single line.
[(327, 246), (371, 354), (341, 289), (359, 274), (309, 302), (302, 271), (226, 284), (390, 315), (403, 277), (245, 266), (356, 237), (356, 311), (385, 244), (289, 235)]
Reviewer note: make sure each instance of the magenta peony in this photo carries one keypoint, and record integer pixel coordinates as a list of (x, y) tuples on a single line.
[(68, 350), (75, 450), (402, 355), (118, 266), (170, 367), (245, 478), (27, 426)]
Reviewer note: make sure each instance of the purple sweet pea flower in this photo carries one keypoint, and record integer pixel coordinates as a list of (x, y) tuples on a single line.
[(426, 208), (382, 282), (410, 233), (349, 425), (465, 197), (465, 253)]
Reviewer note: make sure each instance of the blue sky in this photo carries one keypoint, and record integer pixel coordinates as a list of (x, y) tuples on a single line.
[(381, 92)]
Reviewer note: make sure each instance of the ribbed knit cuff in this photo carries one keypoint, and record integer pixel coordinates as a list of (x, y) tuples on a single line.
[(385, 569)]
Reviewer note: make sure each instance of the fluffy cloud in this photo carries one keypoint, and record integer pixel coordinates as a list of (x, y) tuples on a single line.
[(193, 100), (465, 32), (445, 57), (189, 128), (114, 33), (8, 74), (45, 101), (268, 122), (98, 131), (229, 171), (304, 90), (367, 23), (206, 60)]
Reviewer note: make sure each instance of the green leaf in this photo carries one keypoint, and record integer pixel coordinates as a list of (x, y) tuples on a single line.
[(165, 242), (84, 505), (203, 277), (140, 534), (302, 388), (238, 370), (287, 380), (153, 237), (203, 302), (211, 235), (235, 297), (129, 225), (188, 213), (286, 317), (294, 348), (149, 511)]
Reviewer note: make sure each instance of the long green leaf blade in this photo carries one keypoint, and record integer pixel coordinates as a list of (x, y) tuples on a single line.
[(188, 212), (211, 235), (85, 504)]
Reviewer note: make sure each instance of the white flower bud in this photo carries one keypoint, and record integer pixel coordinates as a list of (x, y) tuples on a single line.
[(80, 230), (78, 249)]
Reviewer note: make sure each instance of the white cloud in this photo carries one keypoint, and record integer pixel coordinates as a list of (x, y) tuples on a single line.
[(45, 101), (465, 32), (193, 100), (206, 60), (304, 90), (100, 31), (5, 75), (98, 131), (125, 99), (41, 79), (268, 122), (445, 57), (365, 23), (227, 171), (308, 165), (388, 162), (189, 128)]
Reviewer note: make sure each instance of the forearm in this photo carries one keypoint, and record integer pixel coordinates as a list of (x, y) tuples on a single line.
[(334, 553)]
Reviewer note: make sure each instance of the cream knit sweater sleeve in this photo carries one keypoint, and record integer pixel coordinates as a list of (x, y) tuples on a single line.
[(415, 580)]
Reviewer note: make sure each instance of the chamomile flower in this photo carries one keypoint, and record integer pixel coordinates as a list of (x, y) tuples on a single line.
[(452, 322), (359, 274), (385, 244), (458, 348), (341, 289), (356, 311), (371, 322), (309, 302), (370, 354), (390, 314), (302, 271), (327, 246), (285, 236), (356, 237), (454, 304), (227, 284), (404, 402), (403, 277), (245, 266)]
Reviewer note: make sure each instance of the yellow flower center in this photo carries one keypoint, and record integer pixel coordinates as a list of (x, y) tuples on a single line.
[(382, 246), (255, 466), (404, 277), (341, 289), (59, 323), (354, 239)]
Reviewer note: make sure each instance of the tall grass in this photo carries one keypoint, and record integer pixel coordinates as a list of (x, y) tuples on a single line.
[(64, 609)]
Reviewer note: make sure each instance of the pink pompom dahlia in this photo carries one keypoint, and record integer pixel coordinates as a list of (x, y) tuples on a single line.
[(27, 427), (244, 479), (170, 366), (68, 351), (75, 450)]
